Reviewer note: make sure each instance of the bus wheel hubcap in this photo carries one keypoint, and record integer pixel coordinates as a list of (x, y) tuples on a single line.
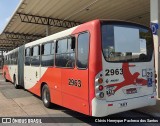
[(46, 96)]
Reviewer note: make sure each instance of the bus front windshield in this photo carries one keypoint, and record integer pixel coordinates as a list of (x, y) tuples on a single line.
[(126, 42)]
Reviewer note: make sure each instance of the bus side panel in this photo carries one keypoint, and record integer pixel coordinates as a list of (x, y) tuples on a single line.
[(6, 72), (75, 90), (33, 82), (36, 89), (95, 64), (13, 71), (75, 98), (95, 60), (32, 78), (52, 78)]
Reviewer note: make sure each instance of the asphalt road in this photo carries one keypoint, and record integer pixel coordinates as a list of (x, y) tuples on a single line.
[(21, 103)]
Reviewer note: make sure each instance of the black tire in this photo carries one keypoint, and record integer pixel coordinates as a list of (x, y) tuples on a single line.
[(14, 82), (46, 97)]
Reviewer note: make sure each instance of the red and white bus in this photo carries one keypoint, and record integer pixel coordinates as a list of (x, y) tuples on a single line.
[(98, 68)]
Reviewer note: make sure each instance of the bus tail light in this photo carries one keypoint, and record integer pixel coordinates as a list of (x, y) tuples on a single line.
[(99, 87), (100, 95), (99, 80), (155, 81), (155, 78), (155, 75)]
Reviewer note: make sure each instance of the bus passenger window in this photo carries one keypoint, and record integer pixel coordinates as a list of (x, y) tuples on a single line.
[(46, 49), (83, 50), (27, 57), (52, 48), (71, 52), (73, 43), (6, 61), (65, 53), (35, 51), (47, 58), (13, 58), (16, 57), (9, 59), (35, 56)]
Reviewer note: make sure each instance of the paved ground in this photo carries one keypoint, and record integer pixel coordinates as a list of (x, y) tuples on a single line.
[(21, 103)]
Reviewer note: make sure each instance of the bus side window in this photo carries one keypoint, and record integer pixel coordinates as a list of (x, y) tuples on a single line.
[(65, 53), (27, 57), (47, 54), (16, 57), (52, 48), (35, 56), (73, 43), (13, 57), (60, 52), (71, 52), (9, 60), (83, 50), (6, 60)]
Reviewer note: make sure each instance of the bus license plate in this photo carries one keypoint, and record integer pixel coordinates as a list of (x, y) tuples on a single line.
[(131, 91), (124, 104)]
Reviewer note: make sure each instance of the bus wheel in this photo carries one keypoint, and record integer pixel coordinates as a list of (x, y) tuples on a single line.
[(14, 82), (46, 96)]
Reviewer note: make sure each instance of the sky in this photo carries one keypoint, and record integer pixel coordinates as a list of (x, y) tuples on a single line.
[(7, 8)]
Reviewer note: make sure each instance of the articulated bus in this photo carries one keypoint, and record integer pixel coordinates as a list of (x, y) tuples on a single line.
[(98, 68)]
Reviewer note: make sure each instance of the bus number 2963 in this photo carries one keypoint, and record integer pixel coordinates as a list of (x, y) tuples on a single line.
[(73, 82), (111, 72)]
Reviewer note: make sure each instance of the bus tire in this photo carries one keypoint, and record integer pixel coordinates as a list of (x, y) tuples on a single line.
[(14, 82), (46, 96)]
